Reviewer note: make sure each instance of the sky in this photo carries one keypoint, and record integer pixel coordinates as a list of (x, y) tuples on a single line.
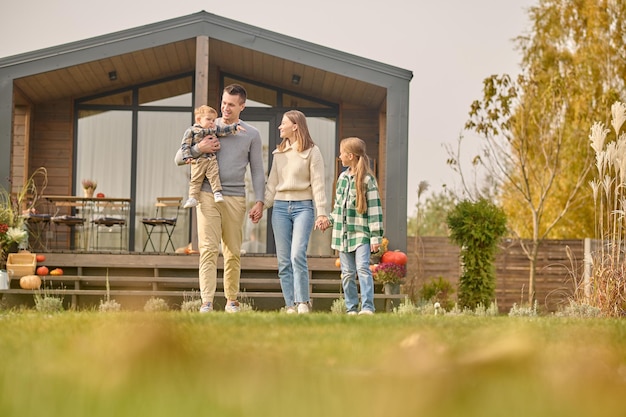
[(449, 46)]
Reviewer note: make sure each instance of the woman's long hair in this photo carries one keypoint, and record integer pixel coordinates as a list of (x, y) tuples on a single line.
[(357, 147), (302, 132)]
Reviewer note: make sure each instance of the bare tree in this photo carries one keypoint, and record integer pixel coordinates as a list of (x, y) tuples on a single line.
[(524, 150)]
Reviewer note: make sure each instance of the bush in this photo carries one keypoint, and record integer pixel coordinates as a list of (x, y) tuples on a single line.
[(46, 303), (477, 228), (156, 304), (438, 290), (109, 306)]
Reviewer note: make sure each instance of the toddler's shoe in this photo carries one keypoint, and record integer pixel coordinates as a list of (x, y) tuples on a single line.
[(217, 196), (290, 310), (191, 202), (365, 312)]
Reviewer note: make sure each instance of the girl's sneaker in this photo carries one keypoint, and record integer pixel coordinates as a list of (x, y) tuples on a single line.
[(290, 310), (303, 308), (218, 197), (206, 307)]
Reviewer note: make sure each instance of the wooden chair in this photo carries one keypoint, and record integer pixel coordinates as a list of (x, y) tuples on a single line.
[(164, 220)]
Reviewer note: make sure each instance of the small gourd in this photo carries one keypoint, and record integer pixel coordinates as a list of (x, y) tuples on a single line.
[(30, 282)]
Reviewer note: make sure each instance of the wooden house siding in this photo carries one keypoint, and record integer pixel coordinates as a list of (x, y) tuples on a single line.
[(52, 145), (19, 152)]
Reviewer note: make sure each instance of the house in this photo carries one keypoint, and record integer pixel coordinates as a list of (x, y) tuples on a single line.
[(113, 109)]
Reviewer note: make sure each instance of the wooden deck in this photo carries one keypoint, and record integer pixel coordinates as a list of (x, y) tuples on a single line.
[(134, 278)]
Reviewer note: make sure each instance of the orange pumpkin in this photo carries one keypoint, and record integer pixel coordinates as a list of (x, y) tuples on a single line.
[(56, 271), (40, 258), (30, 282), (42, 270), (338, 263), (395, 257)]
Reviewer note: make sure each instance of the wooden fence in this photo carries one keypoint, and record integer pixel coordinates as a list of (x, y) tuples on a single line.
[(559, 265)]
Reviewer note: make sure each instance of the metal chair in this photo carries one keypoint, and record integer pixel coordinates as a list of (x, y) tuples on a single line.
[(109, 215), (72, 222), (165, 219), (38, 220)]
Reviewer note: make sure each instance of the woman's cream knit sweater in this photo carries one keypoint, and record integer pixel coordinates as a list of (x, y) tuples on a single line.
[(297, 176)]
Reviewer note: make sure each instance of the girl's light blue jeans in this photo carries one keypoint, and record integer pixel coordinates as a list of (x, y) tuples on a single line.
[(355, 264), (293, 222)]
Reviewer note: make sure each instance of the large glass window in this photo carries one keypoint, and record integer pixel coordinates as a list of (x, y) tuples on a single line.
[(103, 137), (126, 141), (158, 138)]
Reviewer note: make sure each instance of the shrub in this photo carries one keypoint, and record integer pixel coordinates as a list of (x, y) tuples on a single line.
[(338, 306), (46, 303), (438, 290), (477, 228), (156, 304), (109, 306)]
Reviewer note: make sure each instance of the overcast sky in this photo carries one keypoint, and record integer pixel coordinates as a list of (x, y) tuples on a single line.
[(450, 46)]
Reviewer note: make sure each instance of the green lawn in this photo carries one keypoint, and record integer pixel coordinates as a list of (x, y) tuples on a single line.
[(269, 364)]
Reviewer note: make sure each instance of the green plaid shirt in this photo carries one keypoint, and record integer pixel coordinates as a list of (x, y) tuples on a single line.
[(351, 229)]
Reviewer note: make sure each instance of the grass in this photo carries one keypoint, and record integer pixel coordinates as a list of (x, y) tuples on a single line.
[(271, 364)]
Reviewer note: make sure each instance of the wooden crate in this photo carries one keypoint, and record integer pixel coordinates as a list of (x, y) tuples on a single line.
[(20, 264)]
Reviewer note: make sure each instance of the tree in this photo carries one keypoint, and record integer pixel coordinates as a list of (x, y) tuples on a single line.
[(430, 218), (535, 129)]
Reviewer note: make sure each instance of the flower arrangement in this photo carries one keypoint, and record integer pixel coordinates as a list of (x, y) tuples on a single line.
[(389, 273), (14, 209), (89, 184)]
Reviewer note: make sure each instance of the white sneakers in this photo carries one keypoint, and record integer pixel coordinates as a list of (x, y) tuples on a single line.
[(300, 308), (192, 202)]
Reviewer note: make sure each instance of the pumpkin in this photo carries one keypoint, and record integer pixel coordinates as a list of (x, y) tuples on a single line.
[(30, 282), (40, 258), (42, 270), (395, 257), (56, 271), (338, 263)]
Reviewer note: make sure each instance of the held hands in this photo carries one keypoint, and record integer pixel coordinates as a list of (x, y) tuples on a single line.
[(374, 247), (322, 223), (256, 212)]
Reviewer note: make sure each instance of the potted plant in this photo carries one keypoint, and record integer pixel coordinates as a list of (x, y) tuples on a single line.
[(390, 275), (89, 186)]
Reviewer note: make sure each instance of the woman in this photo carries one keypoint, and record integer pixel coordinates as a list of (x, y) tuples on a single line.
[(295, 188)]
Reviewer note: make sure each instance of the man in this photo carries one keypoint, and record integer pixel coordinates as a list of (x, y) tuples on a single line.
[(224, 221)]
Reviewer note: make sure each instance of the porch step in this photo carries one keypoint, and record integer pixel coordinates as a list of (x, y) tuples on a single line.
[(142, 276)]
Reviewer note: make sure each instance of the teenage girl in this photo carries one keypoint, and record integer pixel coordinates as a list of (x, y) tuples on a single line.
[(357, 220)]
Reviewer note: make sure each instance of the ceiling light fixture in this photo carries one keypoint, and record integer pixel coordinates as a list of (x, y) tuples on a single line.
[(295, 79), (113, 75)]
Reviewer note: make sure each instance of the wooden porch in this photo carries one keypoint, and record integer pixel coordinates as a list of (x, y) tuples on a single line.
[(134, 278)]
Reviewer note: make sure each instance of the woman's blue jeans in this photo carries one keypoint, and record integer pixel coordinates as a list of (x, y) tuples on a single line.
[(292, 222), (355, 264)]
